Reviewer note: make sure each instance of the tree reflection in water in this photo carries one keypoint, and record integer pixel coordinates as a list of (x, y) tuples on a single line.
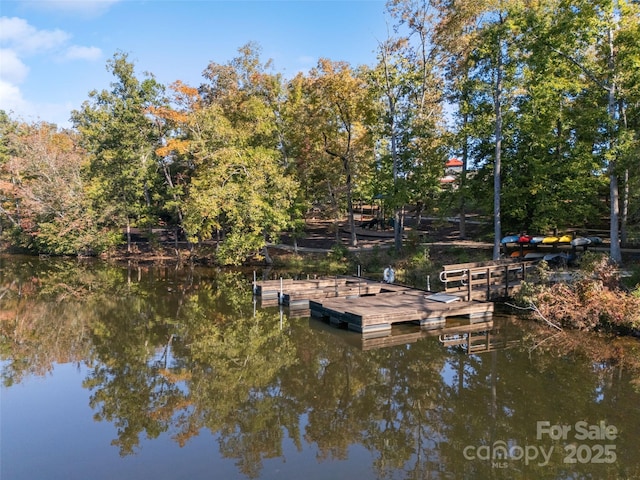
[(178, 351)]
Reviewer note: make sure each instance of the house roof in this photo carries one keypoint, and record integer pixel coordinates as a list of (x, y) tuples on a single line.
[(454, 162)]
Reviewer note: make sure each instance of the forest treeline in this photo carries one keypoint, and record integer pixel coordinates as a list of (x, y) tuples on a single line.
[(539, 99)]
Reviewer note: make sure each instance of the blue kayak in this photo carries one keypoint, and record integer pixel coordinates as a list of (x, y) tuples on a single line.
[(510, 239)]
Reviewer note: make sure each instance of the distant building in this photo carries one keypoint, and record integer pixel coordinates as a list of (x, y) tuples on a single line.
[(453, 166), (452, 169)]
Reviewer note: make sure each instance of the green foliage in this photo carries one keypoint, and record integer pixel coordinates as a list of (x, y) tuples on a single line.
[(239, 191), (338, 252), (242, 157), (374, 261), (526, 294), (120, 139), (238, 246), (74, 242), (418, 267)]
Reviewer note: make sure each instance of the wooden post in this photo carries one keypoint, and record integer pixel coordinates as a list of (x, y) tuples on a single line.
[(469, 286), (488, 284), (506, 280)]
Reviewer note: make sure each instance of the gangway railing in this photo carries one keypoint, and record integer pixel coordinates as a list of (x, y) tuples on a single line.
[(485, 280)]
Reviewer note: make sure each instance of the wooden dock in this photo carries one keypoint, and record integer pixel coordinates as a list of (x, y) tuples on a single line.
[(296, 294), (377, 313), (367, 306), (486, 280)]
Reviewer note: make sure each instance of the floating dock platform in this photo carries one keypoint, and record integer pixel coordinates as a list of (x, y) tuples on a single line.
[(377, 313), (296, 294), (371, 307)]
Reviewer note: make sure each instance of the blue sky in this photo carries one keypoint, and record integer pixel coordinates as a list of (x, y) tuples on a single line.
[(53, 52)]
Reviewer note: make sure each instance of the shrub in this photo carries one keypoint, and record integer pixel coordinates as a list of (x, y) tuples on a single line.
[(594, 300)]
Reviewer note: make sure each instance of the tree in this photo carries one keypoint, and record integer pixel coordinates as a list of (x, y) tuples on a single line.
[(239, 188), (486, 36), (8, 203), (44, 203), (392, 87), (319, 176), (120, 138), (454, 39), (342, 110), (627, 58), (174, 159), (596, 50), (412, 84)]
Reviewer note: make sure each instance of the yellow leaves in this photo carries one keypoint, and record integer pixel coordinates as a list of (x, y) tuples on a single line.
[(168, 114), (186, 97), (174, 145), (185, 91), (186, 100), (62, 142)]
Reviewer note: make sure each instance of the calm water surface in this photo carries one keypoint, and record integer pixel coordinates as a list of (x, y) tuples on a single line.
[(134, 373)]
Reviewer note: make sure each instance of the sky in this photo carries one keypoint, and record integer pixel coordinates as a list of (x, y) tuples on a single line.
[(54, 52)]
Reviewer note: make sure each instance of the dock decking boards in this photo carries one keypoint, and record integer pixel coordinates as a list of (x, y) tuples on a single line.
[(380, 312), (366, 306)]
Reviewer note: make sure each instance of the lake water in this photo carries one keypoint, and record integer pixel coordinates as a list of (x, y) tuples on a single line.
[(134, 373)]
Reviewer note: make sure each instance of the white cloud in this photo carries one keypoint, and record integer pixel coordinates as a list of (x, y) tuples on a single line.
[(76, 52), (19, 42), (17, 34), (20, 109), (11, 98), (12, 69)]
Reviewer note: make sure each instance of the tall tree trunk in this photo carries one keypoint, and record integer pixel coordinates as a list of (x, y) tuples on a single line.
[(128, 235), (177, 200), (397, 214), (616, 253), (352, 221), (625, 208), (497, 100), (265, 251), (463, 179), (346, 165), (391, 103), (336, 222), (624, 214)]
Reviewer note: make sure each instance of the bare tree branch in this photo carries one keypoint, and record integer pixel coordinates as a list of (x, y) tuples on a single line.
[(537, 311)]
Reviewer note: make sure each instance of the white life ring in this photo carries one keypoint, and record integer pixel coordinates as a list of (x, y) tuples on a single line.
[(389, 275)]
